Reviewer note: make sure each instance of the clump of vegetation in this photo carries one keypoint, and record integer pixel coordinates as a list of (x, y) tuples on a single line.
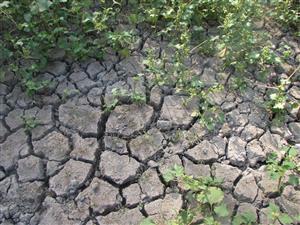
[(30, 123), (31, 30), (275, 215), (207, 199), (287, 166)]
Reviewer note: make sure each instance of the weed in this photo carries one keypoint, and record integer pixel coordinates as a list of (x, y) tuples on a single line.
[(277, 169), (30, 123), (207, 194), (138, 98), (205, 191), (275, 215)]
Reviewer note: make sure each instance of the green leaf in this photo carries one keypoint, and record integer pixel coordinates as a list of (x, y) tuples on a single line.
[(285, 218), (27, 17), (43, 5), (293, 152), (221, 210), (288, 165), (244, 218), (4, 4), (172, 174), (293, 180), (215, 195)]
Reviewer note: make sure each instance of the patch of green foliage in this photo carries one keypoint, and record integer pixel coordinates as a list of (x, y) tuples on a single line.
[(205, 191), (275, 215), (287, 166), (30, 123), (207, 198), (32, 29)]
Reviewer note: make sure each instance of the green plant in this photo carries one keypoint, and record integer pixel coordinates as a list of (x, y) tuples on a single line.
[(246, 218), (277, 169), (138, 98), (205, 191), (286, 12), (33, 86), (275, 215), (29, 123), (279, 102), (111, 106), (120, 41), (32, 29), (84, 28)]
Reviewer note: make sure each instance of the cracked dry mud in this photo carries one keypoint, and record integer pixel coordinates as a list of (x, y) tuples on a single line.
[(82, 164)]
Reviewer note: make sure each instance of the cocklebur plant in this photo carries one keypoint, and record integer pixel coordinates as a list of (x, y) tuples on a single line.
[(208, 196), (205, 191)]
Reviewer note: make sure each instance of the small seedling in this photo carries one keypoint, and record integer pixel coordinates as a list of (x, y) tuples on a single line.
[(30, 123), (138, 98)]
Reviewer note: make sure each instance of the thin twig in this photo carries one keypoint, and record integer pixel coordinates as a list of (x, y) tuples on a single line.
[(293, 73), (197, 46)]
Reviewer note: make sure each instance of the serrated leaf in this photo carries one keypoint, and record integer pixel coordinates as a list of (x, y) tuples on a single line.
[(215, 195), (221, 210)]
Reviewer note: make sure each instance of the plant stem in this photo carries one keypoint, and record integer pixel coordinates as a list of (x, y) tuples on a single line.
[(294, 72)]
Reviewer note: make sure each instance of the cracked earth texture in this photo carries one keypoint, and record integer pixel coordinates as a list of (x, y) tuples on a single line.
[(82, 164)]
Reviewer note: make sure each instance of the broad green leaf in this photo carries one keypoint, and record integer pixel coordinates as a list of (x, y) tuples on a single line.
[(237, 220), (294, 180), (27, 17), (293, 152), (185, 217), (244, 218), (4, 4), (172, 174), (288, 165), (273, 208), (285, 218), (44, 5), (221, 210), (211, 221), (215, 195)]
